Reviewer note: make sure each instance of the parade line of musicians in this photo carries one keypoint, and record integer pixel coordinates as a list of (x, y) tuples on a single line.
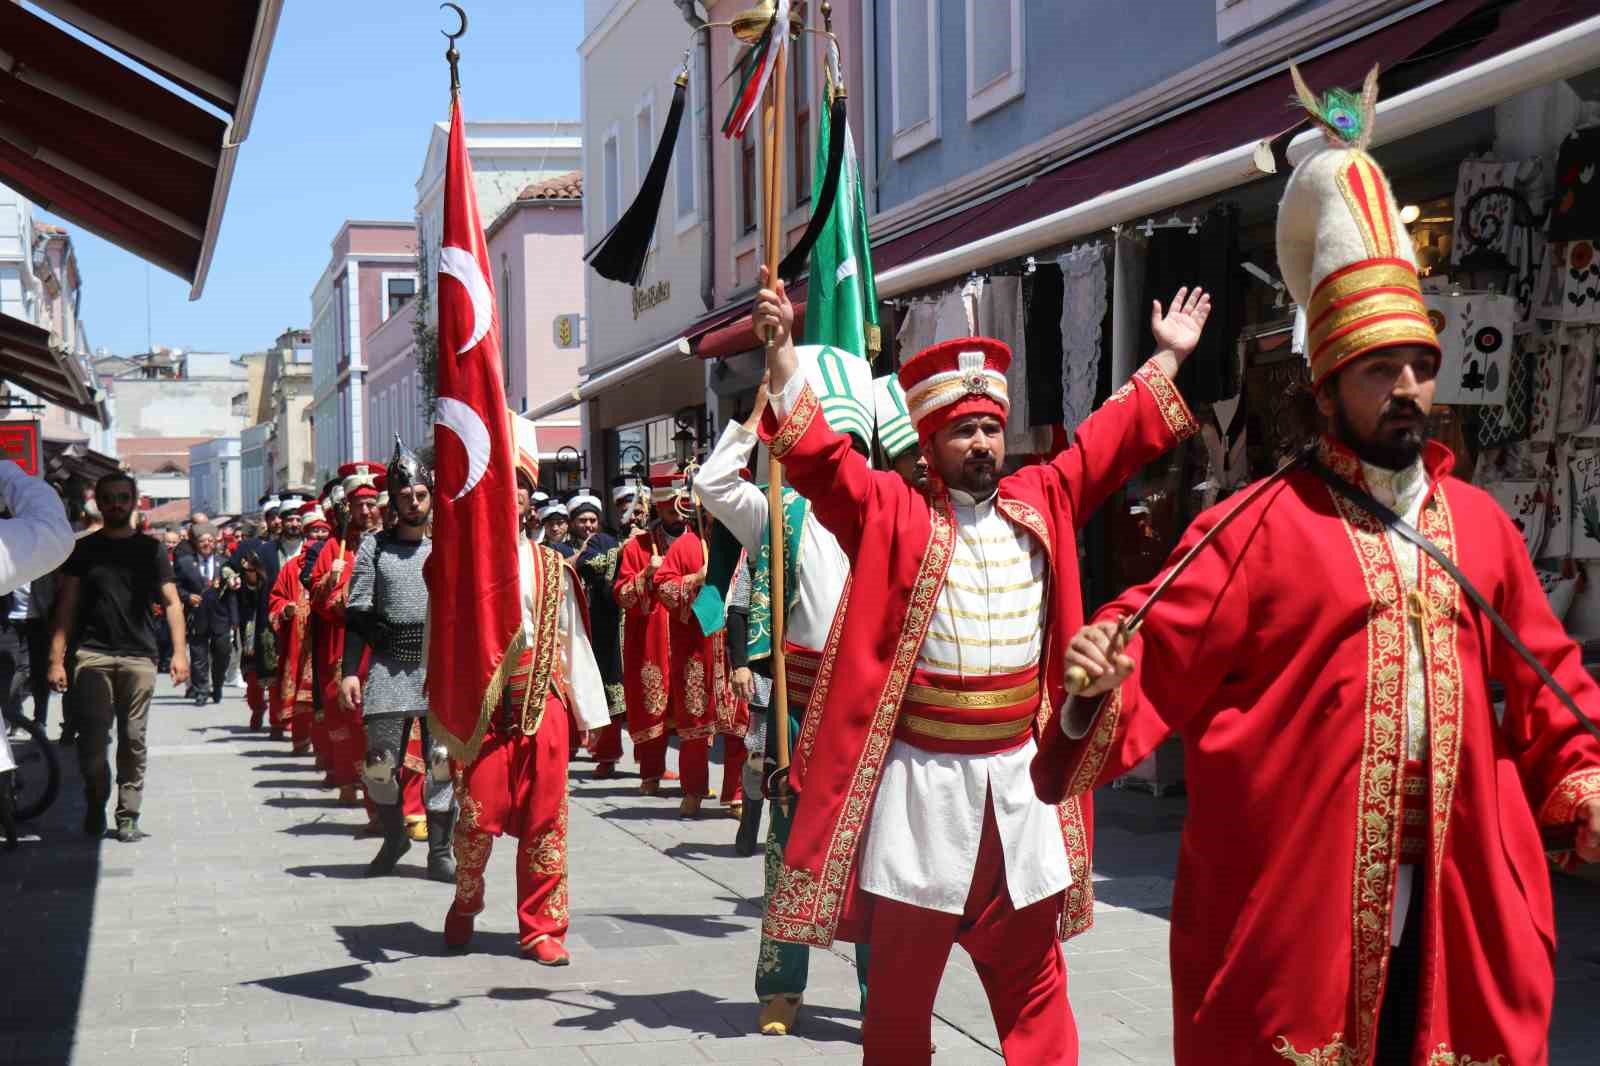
[(1363, 876)]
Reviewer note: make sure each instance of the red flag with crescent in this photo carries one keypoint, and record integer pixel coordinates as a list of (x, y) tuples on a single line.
[(474, 595)]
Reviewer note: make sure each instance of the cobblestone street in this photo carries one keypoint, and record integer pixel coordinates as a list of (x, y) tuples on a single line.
[(241, 933)]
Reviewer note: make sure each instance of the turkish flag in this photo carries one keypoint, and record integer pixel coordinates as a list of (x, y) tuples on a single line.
[(474, 596)]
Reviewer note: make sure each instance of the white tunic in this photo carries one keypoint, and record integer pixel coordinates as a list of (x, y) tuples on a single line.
[(819, 573), (578, 665), (927, 819), (37, 537), (1403, 492)]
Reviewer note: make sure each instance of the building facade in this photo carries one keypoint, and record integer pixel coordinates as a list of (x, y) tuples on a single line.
[(372, 266), (215, 483)]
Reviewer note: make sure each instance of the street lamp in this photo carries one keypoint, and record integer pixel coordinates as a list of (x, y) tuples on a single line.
[(687, 439)]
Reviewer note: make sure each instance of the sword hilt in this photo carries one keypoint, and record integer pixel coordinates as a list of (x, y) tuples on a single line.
[(1078, 678)]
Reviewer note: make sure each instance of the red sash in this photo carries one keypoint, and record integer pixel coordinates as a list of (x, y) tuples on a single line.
[(800, 666), (969, 716)]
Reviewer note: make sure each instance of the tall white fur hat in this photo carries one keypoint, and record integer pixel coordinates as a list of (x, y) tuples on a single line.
[(1345, 255)]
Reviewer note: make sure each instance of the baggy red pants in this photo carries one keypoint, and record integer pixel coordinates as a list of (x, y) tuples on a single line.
[(300, 727), (343, 746), (651, 755), (605, 743), (255, 697), (518, 786), (1015, 952)]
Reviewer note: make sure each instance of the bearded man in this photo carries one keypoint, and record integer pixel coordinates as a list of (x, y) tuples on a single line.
[(1362, 879)]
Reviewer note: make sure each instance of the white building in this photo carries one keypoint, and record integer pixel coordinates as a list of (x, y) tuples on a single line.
[(214, 477), (255, 463)]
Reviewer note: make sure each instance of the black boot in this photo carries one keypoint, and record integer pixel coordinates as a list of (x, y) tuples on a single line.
[(441, 863), (749, 835), (395, 841)]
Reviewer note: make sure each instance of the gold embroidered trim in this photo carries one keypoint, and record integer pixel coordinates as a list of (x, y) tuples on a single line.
[(992, 564), (1174, 412), (1382, 760), (1370, 306), (992, 616), (1078, 914), (942, 697), (1014, 587), (984, 642), (1385, 334), (1561, 806), (794, 427), (1442, 661), (1443, 1056), (967, 670), (802, 909), (1099, 744), (940, 730), (1334, 1053)]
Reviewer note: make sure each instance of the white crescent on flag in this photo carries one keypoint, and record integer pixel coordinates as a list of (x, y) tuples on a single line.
[(463, 421), (461, 265)]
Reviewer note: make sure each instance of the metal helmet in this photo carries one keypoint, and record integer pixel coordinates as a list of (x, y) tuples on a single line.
[(405, 469)]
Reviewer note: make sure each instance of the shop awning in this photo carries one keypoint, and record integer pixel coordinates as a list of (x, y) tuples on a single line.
[(28, 360), (117, 153), (607, 379), (67, 458)]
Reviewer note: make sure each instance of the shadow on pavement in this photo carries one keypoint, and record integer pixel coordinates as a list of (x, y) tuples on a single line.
[(295, 802), (322, 828), (338, 984), (312, 783), (356, 871), (50, 885), (691, 1009), (692, 850)]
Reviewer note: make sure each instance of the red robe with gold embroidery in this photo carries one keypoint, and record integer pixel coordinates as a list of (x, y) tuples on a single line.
[(646, 646), (702, 686), (290, 694), (345, 730), (899, 542), (1280, 659)]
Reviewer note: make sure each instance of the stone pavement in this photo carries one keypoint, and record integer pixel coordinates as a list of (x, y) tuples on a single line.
[(242, 934)]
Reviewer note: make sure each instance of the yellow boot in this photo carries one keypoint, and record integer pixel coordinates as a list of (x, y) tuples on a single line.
[(778, 1015), (416, 827)]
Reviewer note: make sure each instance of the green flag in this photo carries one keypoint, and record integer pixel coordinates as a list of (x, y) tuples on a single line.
[(842, 297)]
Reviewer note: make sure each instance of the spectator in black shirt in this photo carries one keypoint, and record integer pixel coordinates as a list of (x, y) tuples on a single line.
[(108, 587)]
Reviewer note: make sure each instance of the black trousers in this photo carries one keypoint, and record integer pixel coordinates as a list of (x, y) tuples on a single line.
[(208, 662), (38, 633), (1402, 995), (15, 661)]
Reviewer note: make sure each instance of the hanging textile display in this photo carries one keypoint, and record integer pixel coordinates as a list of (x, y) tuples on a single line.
[(1083, 312), (1585, 469), (1557, 540), (1001, 315), (955, 312), (1475, 339), (1575, 213), (1510, 421), (1209, 257), (916, 328), (1127, 289), (1524, 501), (1569, 283), (1544, 355), (1576, 347)]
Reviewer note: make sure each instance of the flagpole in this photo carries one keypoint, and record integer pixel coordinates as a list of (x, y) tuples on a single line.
[(773, 126)]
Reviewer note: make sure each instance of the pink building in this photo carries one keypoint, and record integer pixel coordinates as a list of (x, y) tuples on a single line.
[(371, 275), (536, 254)]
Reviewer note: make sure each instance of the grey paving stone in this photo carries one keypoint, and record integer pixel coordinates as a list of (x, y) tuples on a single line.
[(246, 1054)]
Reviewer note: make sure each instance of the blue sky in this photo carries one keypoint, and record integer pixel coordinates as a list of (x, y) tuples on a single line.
[(340, 131)]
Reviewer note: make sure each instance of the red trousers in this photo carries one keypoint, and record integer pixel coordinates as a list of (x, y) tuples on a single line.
[(255, 697), (343, 746), (734, 755), (605, 744), (412, 769), (518, 786), (300, 726), (694, 766), (652, 759), (277, 710), (1016, 954)]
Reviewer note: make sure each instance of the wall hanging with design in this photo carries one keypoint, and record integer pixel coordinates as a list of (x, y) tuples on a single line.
[(1569, 283), (1541, 350), (1525, 502), (1558, 511), (1576, 347), (1475, 338), (1585, 468)]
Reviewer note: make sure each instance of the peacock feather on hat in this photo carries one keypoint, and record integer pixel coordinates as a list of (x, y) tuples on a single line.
[(1346, 118)]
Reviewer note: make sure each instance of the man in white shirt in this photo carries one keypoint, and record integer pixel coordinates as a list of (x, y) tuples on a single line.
[(918, 827)]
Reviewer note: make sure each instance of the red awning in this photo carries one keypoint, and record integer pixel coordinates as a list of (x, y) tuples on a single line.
[(738, 333), (30, 361), (109, 149), (1259, 111)]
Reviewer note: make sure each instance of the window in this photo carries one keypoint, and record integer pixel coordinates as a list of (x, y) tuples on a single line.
[(994, 55), (1237, 17), (913, 74), (398, 291), (749, 182), (341, 317), (643, 140), (613, 180), (800, 96), (684, 158)]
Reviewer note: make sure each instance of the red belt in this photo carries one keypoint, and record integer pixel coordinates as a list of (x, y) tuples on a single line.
[(969, 716), (1414, 812), (800, 668)]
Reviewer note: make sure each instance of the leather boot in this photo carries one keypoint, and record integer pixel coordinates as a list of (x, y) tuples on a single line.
[(749, 836), (395, 842), (441, 864)]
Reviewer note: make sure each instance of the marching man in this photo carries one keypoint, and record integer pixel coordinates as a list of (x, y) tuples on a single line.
[(1362, 879), (517, 785), (917, 826), (646, 644)]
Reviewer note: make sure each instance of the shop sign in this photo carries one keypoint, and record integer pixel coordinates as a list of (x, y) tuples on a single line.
[(566, 329), (651, 296), (19, 442)]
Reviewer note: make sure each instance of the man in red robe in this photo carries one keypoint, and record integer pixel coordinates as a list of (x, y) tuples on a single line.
[(346, 752), (703, 704), (1362, 879), (289, 611), (517, 783), (917, 826), (646, 644)]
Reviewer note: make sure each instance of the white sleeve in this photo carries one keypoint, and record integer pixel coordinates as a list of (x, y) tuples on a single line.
[(583, 673), (784, 402), (36, 539), (732, 500)]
